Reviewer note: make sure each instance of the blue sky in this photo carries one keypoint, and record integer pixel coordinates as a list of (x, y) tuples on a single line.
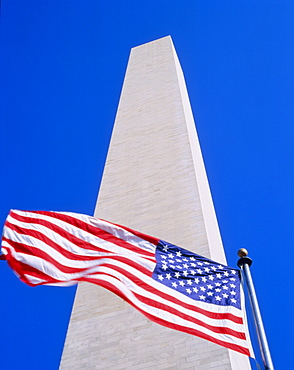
[(63, 64)]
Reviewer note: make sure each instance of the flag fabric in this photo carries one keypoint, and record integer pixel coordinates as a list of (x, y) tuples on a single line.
[(168, 284)]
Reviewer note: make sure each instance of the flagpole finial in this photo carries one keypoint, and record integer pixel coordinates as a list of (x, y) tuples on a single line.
[(242, 252), (244, 259)]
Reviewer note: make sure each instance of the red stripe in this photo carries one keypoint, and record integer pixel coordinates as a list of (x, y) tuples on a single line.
[(135, 279), (160, 321), (97, 232), (152, 289), (146, 237), (33, 251), (42, 237), (22, 269), (154, 303), (41, 254), (174, 311)]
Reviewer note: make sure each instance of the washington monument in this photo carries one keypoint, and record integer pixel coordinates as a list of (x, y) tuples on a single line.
[(154, 181)]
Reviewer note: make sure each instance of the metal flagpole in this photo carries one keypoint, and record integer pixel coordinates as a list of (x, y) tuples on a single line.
[(244, 263)]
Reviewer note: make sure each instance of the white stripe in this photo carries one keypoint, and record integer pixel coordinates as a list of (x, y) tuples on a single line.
[(104, 225), (49, 269), (167, 316), (55, 273), (60, 258), (216, 308), (35, 280), (52, 271), (116, 230), (69, 246), (42, 246), (153, 296), (97, 270), (181, 297)]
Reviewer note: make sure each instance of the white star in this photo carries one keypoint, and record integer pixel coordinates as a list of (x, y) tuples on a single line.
[(195, 290), (171, 255), (164, 257), (210, 277), (193, 272), (171, 261), (213, 268), (174, 285), (209, 293), (178, 254), (209, 286), (199, 263), (193, 264), (189, 282), (186, 266), (218, 290), (164, 267), (185, 260), (233, 300), (179, 267), (207, 263), (181, 283), (204, 279), (219, 276), (234, 272), (206, 269), (196, 280), (232, 285), (226, 273), (225, 287), (178, 260), (202, 289), (189, 290), (232, 292), (160, 277), (217, 284), (165, 248), (225, 295), (225, 281), (218, 298), (199, 271), (220, 267), (192, 259), (185, 273), (177, 274), (202, 296), (168, 276)]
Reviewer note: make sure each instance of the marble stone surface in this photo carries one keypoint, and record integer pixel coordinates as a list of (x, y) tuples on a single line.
[(154, 181)]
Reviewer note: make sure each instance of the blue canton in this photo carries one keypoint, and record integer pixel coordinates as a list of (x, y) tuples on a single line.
[(196, 277)]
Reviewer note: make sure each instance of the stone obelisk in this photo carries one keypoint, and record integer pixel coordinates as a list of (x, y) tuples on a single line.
[(154, 181)]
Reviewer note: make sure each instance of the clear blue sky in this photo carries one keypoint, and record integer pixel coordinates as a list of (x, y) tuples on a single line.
[(62, 68)]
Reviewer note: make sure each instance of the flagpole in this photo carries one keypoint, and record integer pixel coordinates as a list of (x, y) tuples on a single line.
[(244, 263)]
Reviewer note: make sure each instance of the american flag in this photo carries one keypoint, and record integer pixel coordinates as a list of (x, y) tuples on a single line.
[(168, 284)]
